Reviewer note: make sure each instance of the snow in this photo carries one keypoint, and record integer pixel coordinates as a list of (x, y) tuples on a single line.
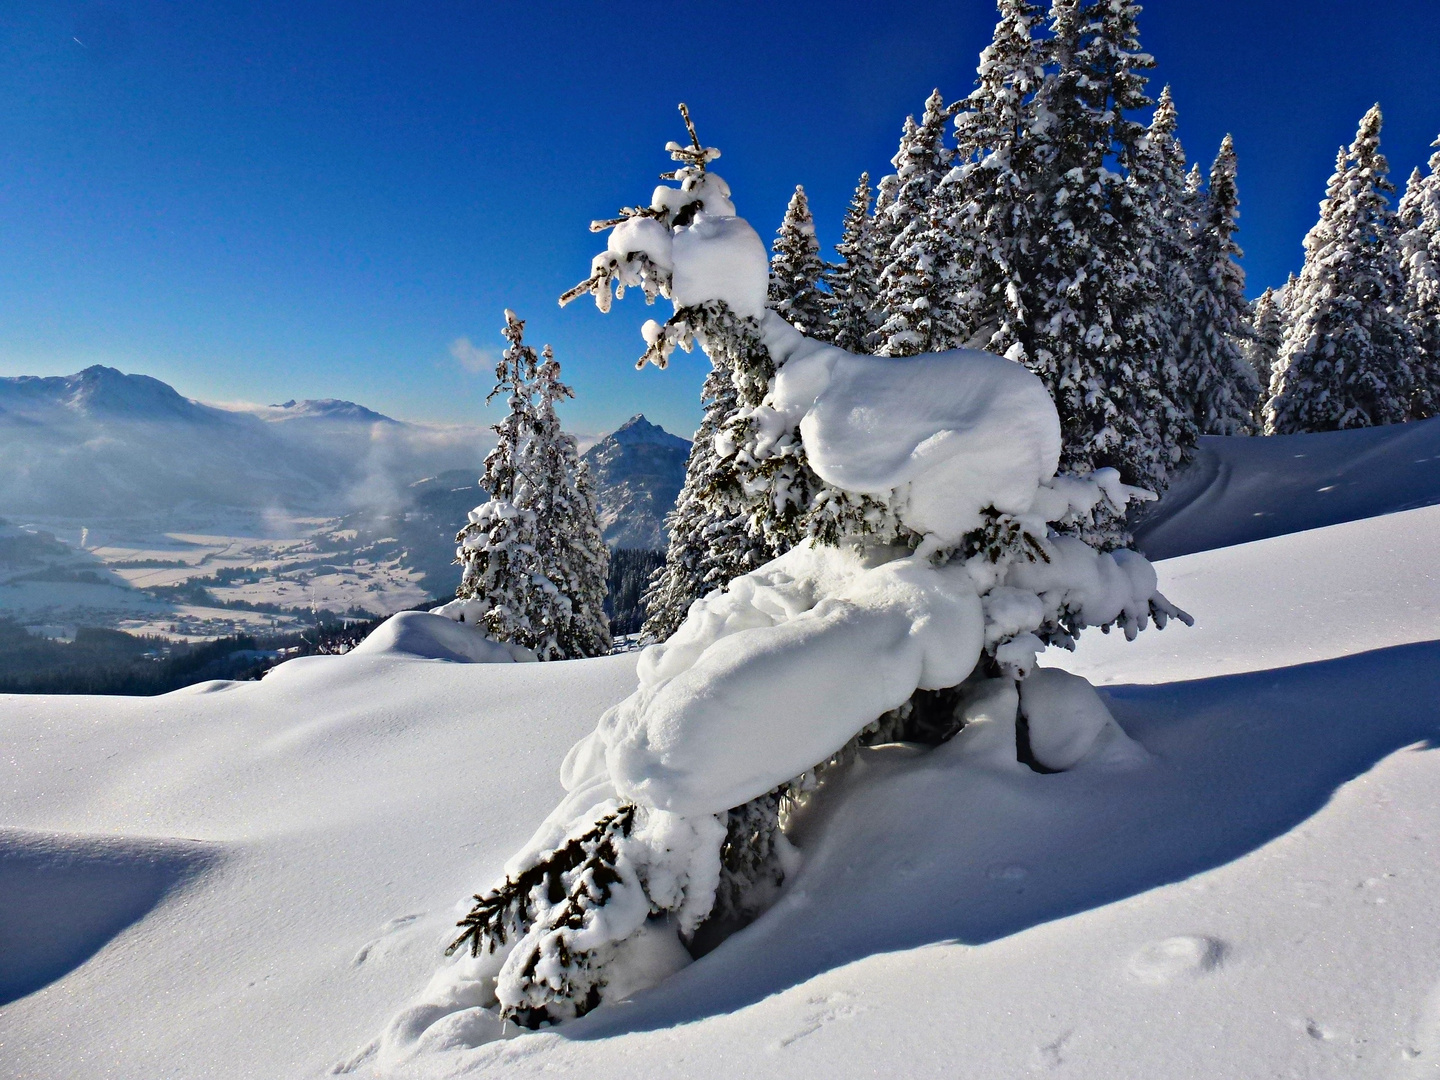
[(254, 879), (439, 636), (1249, 489), (779, 671), (1296, 599), (720, 258), (948, 434)]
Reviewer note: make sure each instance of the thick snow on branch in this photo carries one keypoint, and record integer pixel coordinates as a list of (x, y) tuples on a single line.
[(782, 669), (943, 436)]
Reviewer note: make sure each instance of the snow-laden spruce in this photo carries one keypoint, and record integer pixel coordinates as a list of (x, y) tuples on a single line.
[(1419, 223), (796, 270), (534, 562), (676, 804), (1349, 356)]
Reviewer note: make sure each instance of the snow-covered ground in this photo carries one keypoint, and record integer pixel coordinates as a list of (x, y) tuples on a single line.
[(252, 880), (123, 573)]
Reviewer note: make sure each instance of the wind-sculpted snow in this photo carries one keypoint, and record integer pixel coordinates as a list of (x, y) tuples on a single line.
[(780, 671), (441, 636), (947, 434)]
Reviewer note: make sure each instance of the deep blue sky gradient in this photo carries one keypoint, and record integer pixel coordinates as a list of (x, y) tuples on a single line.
[(261, 200)]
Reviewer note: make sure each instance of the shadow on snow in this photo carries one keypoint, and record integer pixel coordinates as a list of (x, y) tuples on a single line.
[(63, 897), (909, 850)]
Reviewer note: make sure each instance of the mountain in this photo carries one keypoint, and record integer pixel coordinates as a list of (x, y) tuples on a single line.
[(102, 443), (325, 409), (638, 471)]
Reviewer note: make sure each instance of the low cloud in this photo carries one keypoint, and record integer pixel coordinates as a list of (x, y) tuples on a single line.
[(473, 358)]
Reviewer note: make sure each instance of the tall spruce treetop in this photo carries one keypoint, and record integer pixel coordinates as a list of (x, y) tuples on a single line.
[(1095, 327), (992, 188), (915, 276), (573, 555), (796, 270), (1175, 206), (1419, 221), (1261, 343), (852, 281), (500, 546), (1349, 356), (1222, 384)]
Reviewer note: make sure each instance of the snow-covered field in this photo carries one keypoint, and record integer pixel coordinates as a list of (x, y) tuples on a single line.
[(123, 573), (254, 880)]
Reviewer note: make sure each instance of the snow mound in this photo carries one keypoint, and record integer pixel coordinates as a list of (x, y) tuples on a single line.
[(435, 637), (1067, 721), (780, 671), (946, 434)]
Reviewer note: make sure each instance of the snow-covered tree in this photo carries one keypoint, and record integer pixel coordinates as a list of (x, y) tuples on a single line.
[(1261, 341), (1419, 223), (1173, 204), (741, 506), (1349, 356), (852, 282), (1220, 383), (533, 556), (796, 270), (709, 544), (992, 188), (916, 275), (572, 551), (919, 616), (500, 546), (1095, 332)]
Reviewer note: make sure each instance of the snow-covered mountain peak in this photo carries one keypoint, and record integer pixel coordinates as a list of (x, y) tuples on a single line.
[(326, 409), (638, 430), (638, 470), (98, 391)]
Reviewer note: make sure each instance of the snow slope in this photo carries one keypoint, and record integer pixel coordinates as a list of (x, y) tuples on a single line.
[(1241, 489), (251, 880)]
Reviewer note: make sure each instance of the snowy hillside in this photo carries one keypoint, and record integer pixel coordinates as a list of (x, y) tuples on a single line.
[(638, 470), (101, 444), (244, 880), (1247, 489)]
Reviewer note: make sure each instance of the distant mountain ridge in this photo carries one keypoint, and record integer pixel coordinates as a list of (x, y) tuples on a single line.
[(101, 443), (638, 469)]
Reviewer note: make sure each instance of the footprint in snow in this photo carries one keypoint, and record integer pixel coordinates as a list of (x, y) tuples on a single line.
[(1176, 959)]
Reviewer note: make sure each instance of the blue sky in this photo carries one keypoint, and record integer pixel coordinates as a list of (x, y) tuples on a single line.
[(257, 200)]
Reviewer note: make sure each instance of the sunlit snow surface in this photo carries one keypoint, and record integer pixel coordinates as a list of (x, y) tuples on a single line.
[(249, 880)]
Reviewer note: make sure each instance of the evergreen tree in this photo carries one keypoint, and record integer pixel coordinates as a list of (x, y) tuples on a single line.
[(916, 275), (708, 542), (852, 281), (796, 270), (500, 546), (884, 228), (992, 189), (1221, 385), (1348, 358), (1261, 342), (573, 554), (1419, 221), (1174, 204), (1095, 332)]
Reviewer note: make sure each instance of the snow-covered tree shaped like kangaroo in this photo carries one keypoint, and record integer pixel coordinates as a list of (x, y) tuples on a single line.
[(676, 801)]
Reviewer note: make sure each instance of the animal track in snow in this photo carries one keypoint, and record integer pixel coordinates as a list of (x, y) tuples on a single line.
[(832, 1007), (1188, 956)]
